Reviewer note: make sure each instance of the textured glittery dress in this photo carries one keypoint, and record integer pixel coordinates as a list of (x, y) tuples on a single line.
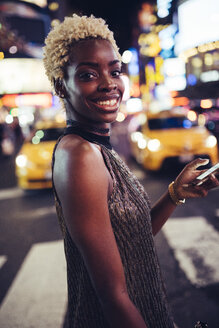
[(129, 210)]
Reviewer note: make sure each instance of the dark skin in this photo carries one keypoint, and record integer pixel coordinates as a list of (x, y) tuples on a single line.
[(92, 91)]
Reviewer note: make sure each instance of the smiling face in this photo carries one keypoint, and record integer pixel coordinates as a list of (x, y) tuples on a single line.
[(93, 82)]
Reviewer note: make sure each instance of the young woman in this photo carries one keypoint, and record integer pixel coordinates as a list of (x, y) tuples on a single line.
[(107, 222)]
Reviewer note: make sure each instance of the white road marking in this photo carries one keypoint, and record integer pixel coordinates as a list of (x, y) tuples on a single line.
[(195, 245), (11, 193), (217, 212), (36, 213), (3, 259), (38, 296)]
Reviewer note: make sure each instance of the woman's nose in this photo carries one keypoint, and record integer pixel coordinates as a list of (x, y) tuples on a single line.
[(107, 84)]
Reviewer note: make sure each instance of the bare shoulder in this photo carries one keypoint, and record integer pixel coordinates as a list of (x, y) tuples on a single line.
[(78, 164), (77, 150)]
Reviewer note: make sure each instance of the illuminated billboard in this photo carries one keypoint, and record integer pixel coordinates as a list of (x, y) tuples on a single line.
[(198, 24), (174, 72), (23, 75)]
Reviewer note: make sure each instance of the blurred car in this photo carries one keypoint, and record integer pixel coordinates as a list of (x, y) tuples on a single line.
[(33, 163), (166, 138)]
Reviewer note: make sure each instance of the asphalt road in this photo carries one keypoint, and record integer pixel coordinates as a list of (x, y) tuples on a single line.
[(32, 264)]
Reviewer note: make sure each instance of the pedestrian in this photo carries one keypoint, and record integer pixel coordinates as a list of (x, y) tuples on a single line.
[(107, 221)]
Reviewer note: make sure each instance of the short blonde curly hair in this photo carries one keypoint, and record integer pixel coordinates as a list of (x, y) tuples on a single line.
[(63, 36)]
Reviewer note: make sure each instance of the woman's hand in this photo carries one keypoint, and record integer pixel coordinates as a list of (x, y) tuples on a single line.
[(184, 183)]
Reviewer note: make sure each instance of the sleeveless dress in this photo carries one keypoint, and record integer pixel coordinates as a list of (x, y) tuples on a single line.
[(129, 209)]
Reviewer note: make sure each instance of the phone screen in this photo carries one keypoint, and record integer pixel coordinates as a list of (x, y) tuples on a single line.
[(208, 172)]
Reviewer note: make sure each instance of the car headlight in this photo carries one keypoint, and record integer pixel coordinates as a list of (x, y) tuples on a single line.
[(211, 141), (21, 160), (46, 155), (153, 145), (142, 143), (135, 136)]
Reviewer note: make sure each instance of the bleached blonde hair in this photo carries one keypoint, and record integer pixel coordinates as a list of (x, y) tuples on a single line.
[(63, 36)]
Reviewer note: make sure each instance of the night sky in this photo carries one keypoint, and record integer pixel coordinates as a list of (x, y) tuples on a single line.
[(120, 15)]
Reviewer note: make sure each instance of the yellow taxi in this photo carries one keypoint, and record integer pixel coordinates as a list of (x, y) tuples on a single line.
[(167, 138), (33, 163)]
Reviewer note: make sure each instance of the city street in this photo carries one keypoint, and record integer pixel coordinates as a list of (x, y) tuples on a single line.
[(32, 264), (149, 70)]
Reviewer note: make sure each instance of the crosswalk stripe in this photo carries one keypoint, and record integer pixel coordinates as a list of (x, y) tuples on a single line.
[(11, 193), (195, 245), (36, 213), (38, 296), (3, 259), (217, 212)]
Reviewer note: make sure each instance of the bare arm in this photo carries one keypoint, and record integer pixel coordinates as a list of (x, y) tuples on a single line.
[(184, 188), (83, 192)]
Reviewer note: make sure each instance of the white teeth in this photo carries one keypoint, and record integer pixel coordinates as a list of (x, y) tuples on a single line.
[(111, 102)]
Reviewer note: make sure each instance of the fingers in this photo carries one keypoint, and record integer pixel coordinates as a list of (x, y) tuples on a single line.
[(189, 173), (191, 191), (209, 182), (213, 181), (201, 189), (186, 185), (198, 162)]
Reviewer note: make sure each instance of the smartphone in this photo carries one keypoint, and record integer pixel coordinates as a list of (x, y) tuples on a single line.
[(201, 177)]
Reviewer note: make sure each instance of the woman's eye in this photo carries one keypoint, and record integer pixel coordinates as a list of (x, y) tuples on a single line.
[(86, 76), (116, 73)]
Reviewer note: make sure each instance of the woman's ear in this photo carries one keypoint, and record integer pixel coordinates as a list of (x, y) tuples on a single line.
[(60, 88)]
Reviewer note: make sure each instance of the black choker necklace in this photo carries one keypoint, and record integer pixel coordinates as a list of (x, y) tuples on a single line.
[(80, 129), (87, 127)]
